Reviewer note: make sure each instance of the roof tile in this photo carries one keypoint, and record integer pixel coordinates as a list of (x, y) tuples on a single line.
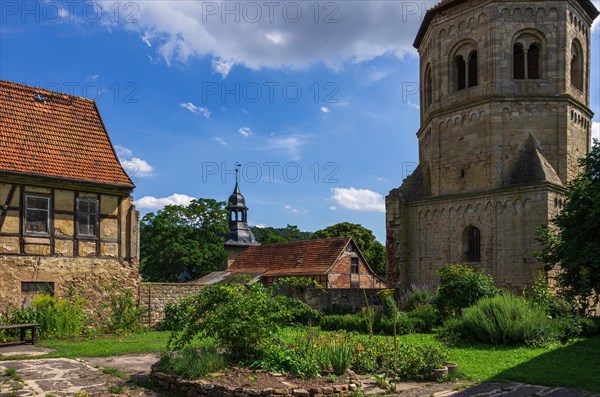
[(62, 136)]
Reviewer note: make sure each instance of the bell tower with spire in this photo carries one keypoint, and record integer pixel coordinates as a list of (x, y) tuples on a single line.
[(240, 236)]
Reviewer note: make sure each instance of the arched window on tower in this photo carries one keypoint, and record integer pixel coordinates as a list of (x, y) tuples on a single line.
[(576, 66), (533, 62), (526, 61), (460, 71), (473, 69), (473, 244), (428, 87), (518, 62)]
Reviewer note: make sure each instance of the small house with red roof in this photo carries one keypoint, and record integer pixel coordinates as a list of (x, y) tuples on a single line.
[(67, 219), (331, 263)]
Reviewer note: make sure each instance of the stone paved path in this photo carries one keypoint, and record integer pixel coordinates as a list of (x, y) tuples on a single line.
[(62, 377)]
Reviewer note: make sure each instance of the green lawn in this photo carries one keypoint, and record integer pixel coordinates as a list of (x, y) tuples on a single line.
[(102, 346), (576, 364)]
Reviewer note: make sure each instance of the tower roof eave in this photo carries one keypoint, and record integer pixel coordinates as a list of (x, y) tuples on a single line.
[(443, 5)]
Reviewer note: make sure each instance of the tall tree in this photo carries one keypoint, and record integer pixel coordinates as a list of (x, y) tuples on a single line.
[(364, 238), (183, 242), (272, 235), (571, 244)]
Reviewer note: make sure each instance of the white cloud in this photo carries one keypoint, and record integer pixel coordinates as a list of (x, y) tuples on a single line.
[(413, 105), (290, 145), (381, 179), (134, 166), (358, 199), (222, 67), (195, 109), (290, 208), (221, 141), (325, 109), (261, 225), (276, 34), (595, 130), (333, 208), (245, 131), (154, 203)]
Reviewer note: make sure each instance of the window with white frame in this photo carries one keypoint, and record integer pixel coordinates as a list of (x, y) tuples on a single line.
[(87, 217), (37, 214)]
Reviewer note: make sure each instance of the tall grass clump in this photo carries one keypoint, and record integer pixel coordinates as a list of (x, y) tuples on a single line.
[(192, 363), (503, 319), (59, 317), (339, 356)]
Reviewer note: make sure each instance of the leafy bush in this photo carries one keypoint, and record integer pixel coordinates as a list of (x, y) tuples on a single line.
[(503, 319), (15, 316), (346, 322), (192, 363), (175, 315), (416, 361), (462, 286), (389, 309), (425, 317), (539, 294), (59, 317), (124, 313), (417, 296), (241, 318)]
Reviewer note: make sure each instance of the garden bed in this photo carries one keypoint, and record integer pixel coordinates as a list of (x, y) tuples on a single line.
[(239, 382)]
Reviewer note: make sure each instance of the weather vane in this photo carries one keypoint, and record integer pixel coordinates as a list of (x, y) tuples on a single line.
[(237, 171)]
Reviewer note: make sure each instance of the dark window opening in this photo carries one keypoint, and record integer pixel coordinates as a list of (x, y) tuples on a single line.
[(473, 245), (518, 62), (354, 266), (460, 72), (473, 69), (87, 217), (576, 68), (533, 62), (428, 88), (37, 214)]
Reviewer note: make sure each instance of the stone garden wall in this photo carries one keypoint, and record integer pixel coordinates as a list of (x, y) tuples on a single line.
[(155, 296), (346, 299)]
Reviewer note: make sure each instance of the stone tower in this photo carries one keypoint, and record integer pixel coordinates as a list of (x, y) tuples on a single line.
[(505, 115), (240, 236)]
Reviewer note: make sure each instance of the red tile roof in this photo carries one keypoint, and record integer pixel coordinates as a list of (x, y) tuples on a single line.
[(58, 135), (309, 257)]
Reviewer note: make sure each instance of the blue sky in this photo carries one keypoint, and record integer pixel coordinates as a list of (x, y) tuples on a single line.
[(317, 100)]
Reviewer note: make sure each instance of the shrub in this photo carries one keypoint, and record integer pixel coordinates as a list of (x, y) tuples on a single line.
[(503, 319), (175, 315), (192, 363), (124, 313), (241, 318), (15, 316), (462, 286), (416, 361), (416, 296), (425, 318), (389, 309), (59, 317), (347, 322)]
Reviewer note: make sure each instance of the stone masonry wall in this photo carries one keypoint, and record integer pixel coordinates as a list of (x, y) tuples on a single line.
[(155, 296), (351, 299), (90, 278)]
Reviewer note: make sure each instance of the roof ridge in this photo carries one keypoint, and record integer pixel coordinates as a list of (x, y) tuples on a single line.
[(31, 88)]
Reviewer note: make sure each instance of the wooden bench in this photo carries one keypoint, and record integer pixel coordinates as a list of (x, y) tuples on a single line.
[(22, 328)]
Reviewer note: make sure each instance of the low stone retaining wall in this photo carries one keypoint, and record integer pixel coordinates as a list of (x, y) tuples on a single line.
[(201, 388), (155, 296)]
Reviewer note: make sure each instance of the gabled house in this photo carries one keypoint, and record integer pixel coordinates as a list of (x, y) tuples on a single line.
[(332, 263), (67, 219)]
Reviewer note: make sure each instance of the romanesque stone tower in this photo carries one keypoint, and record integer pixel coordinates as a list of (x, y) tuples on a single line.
[(505, 115), (240, 236)]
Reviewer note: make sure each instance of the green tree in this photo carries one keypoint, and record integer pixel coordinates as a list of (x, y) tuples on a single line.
[(571, 243), (273, 235), (180, 242), (364, 238)]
